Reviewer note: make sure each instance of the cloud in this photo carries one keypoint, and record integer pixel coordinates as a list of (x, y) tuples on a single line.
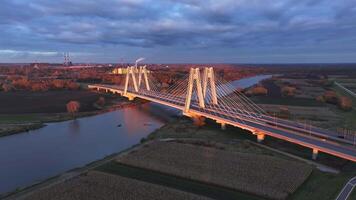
[(66, 25)]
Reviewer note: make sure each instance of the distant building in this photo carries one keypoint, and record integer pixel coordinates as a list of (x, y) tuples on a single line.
[(121, 70)]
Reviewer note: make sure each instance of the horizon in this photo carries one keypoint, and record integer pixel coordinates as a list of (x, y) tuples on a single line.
[(227, 31)]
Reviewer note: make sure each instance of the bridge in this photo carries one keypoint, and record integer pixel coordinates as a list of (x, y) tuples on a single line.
[(202, 93)]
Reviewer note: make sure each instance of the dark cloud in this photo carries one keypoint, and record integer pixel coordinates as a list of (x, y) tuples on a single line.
[(195, 25)]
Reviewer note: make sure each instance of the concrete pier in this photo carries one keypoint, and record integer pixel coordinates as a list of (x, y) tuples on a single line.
[(315, 154), (260, 137)]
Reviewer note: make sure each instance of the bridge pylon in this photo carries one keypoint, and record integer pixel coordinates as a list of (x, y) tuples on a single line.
[(194, 79), (208, 76), (130, 73), (143, 72)]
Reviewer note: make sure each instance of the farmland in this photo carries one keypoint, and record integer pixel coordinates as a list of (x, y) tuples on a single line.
[(98, 185), (240, 171)]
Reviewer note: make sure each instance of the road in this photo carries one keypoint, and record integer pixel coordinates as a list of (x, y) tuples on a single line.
[(346, 191)]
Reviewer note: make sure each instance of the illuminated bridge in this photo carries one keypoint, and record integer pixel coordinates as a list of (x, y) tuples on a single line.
[(204, 94)]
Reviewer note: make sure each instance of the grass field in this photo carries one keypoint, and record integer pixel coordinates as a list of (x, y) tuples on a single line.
[(324, 185), (353, 194)]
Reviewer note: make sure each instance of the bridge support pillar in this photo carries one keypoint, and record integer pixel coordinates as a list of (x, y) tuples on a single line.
[(260, 137), (315, 154), (223, 126), (130, 97)]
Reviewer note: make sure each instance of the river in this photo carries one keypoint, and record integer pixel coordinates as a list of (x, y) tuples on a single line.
[(34, 156)]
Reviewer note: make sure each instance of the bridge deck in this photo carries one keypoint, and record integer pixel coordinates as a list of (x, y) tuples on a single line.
[(314, 138)]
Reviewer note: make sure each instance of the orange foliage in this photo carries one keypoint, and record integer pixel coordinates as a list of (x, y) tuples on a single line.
[(100, 101), (258, 90), (331, 97), (73, 107), (37, 87), (21, 83), (7, 87), (345, 103), (58, 84), (288, 91), (72, 86)]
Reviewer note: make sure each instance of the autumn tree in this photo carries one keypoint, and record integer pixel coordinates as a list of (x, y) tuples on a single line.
[(100, 101), (21, 83), (73, 107), (345, 103), (331, 97), (58, 84), (72, 85), (7, 87), (288, 91), (37, 87)]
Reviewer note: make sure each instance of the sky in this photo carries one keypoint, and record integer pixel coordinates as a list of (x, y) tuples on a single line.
[(173, 31)]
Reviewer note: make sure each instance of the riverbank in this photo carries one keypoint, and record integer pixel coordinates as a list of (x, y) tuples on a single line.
[(17, 123)]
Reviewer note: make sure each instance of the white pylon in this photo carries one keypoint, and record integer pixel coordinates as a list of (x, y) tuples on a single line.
[(143, 71), (194, 77), (130, 72), (209, 75)]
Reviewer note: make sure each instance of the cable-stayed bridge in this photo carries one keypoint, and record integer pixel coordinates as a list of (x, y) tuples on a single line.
[(202, 93)]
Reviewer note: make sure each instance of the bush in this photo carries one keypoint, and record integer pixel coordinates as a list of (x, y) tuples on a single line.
[(288, 91), (330, 97), (7, 87), (72, 86), (345, 103), (100, 101), (258, 90), (73, 107)]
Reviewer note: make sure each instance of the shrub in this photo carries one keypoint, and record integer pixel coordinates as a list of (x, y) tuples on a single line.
[(331, 97), (73, 107), (345, 103), (100, 101), (288, 91), (72, 85)]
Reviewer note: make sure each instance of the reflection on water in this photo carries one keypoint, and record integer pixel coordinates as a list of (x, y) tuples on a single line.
[(74, 126), (34, 156)]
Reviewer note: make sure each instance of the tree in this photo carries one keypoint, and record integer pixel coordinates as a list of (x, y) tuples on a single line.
[(7, 87), (58, 84), (73, 85), (21, 83), (73, 107), (37, 87), (345, 103), (288, 91), (100, 101), (259, 90), (331, 97)]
